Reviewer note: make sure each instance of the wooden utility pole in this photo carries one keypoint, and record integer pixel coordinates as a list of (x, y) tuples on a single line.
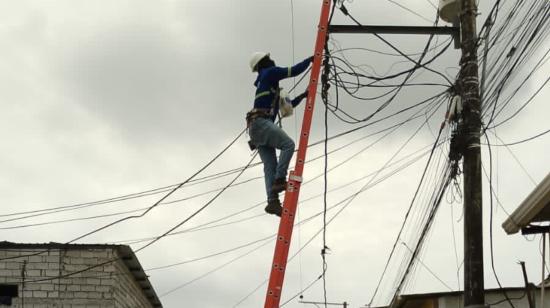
[(474, 289)]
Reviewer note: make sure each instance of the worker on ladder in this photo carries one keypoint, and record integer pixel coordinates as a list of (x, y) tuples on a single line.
[(265, 135)]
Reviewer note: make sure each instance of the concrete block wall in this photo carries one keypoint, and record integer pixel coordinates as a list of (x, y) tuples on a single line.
[(99, 287), (126, 289)]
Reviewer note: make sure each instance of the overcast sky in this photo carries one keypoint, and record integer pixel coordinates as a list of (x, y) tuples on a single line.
[(107, 98)]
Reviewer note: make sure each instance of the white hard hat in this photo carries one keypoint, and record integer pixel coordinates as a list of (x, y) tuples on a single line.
[(256, 58)]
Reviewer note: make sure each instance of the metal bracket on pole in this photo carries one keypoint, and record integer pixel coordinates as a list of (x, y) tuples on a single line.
[(453, 31)]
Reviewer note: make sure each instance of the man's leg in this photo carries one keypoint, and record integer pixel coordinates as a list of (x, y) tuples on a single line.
[(269, 159), (278, 139)]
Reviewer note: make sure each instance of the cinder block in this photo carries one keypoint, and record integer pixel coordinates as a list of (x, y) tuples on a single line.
[(14, 265), (51, 273), (67, 295), (36, 259), (52, 259), (74, 268), (54, 253), (73, 287), (32, 287), (34, 273), (39, 294), (13, 253), (72, 253), (88, 254), (60, 287), (87, 288), (107, 295), (47, 287), (39, 265), (93, 281)]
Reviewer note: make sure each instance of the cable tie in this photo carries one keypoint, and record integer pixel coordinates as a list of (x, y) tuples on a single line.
[(344, 10)]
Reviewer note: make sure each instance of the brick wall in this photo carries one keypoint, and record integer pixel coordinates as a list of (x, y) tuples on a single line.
[(106, 286)]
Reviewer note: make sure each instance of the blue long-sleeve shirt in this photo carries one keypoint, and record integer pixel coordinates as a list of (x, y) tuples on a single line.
[(267, 84)]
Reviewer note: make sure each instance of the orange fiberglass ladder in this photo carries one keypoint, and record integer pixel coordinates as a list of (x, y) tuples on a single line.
[(286, 224)]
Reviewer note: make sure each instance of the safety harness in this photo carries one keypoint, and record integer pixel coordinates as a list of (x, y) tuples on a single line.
[(265, 113)]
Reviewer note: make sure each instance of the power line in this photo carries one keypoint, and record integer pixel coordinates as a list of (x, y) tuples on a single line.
[(53, 210)]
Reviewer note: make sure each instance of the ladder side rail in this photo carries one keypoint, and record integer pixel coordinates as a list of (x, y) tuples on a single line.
[(286, 224)]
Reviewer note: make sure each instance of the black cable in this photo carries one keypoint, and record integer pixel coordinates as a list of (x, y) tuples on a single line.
[(522, 106), (346, 202), (325, 86), (524, 140), (152, 241), (301, 291), (205, 178), (385, 104), (417, 64), (156, 239), (390, 130), (197, 211), (409, 10), (213, 270), (118, 213), (524, 40), (491, 243), (405, 218), (168, 194), (205, 225)]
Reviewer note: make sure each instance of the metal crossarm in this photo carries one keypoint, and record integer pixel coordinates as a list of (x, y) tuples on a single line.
[(286, 224)]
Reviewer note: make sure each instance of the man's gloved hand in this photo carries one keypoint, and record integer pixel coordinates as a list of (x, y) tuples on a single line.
[(303, 95), (310, 59)]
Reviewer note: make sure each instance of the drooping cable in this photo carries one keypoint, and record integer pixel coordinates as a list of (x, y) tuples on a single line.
[(405, 219), (491, 216)]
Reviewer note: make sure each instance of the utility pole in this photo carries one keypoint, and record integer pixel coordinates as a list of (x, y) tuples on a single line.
[(468, 87)]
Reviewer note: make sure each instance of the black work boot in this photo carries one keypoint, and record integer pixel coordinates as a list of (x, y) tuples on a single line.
[(278, 186), (274, 207)]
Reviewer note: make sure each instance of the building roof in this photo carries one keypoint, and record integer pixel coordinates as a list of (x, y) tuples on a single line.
[(126, 254), (535, 208), (406, 299)]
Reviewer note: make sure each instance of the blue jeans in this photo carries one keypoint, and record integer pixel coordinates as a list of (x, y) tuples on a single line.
[(267, 137)]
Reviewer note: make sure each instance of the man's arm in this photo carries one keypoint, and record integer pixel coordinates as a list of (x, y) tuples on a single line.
[(278, 73), (296, 101)]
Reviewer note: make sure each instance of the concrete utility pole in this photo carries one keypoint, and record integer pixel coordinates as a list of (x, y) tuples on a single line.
[(474, 289)]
